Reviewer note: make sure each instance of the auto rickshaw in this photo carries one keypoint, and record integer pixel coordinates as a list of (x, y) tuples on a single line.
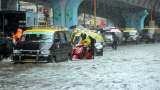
[(99, 42), (78, 50)]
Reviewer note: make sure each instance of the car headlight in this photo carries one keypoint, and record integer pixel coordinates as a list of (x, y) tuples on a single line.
[(16, 51), (98, 46), (45, 52)]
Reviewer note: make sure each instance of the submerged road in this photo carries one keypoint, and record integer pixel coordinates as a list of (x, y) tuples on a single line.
[(131, 67)]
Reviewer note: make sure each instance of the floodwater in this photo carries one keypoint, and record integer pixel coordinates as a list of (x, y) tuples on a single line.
[(131, 67)]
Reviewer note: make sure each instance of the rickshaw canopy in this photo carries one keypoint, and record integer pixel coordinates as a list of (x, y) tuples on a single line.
[(91, 33), (96, 36)]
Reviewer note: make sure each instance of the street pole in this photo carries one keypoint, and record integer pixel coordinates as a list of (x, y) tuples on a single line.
[(153, 7), (3, 20), (37, 11), (84, 11), (94, 11), (152, 22)]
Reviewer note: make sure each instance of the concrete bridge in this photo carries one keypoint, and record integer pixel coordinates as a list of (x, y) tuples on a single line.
[(129, 13)]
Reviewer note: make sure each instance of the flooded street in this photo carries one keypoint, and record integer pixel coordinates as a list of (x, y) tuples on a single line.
[(131, 67)]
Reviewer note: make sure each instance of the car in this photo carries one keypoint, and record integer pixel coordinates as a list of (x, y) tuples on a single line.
[(107, 34), (108, 38), (150, 35), (131, 35), (43, 44)]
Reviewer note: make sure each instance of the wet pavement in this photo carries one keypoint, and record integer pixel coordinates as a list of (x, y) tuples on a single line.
[(131, 67)]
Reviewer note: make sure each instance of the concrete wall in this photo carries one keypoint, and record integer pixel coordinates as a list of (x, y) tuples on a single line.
[(8, 4)]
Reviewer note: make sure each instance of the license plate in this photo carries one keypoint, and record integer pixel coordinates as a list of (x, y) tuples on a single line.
[(28, 60)]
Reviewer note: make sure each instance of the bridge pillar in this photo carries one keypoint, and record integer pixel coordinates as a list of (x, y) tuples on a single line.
[(65, 12), (72, 12), (135, 20), (59, 12)]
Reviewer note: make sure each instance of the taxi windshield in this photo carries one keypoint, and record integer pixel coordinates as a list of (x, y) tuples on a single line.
[(40, 37)]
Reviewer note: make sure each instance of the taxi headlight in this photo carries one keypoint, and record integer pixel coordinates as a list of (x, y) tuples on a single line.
[(16, 51), (46, 52)]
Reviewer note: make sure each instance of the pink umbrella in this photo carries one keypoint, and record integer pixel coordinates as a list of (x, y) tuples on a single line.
[(114, 30)]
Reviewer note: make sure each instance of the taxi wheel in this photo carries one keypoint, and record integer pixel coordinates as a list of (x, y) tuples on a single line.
[(101, 53), (51, 59), (69, 57), (58, 59), (15, 60), (18, 62), (1, 57)]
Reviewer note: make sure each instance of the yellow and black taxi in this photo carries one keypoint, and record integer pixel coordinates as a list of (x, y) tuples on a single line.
[(43, 44)]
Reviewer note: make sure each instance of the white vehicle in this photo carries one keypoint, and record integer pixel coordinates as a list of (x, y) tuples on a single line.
[(108, 35), (130, 35)]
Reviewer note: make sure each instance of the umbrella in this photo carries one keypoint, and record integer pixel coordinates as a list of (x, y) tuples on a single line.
[(114, 30), (96, 36)]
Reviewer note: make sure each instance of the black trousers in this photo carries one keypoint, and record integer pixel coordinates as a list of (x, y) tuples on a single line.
[(114, 45)]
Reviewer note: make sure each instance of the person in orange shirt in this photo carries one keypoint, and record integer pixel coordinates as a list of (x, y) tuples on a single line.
[(17, 35)]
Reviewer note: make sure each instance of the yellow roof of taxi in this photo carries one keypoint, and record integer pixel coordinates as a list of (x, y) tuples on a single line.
[(52, 30), (42, 30)]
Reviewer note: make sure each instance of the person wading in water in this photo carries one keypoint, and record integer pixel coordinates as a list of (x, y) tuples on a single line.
[(115, 41)]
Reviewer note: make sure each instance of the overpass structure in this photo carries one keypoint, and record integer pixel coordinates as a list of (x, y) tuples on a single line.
[(129, 13)]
